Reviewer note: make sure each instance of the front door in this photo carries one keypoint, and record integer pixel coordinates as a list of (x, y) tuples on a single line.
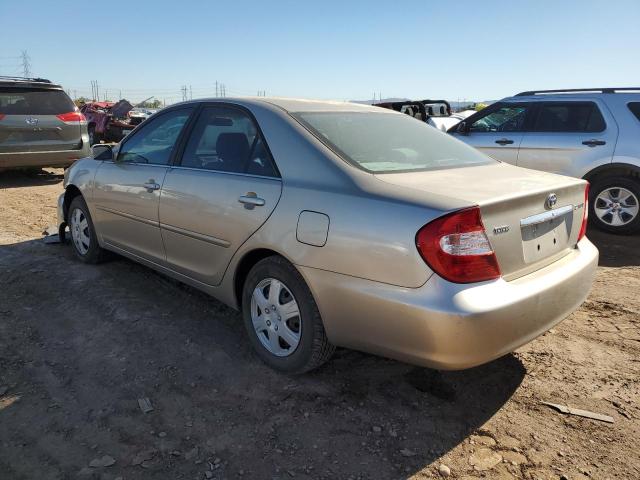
[(569, 138), (223, 189), (127, 190), (498, 131)]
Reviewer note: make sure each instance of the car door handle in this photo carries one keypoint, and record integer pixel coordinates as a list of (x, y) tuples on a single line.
[(251, 200), (151, 185), (504, 141), (594, 142)]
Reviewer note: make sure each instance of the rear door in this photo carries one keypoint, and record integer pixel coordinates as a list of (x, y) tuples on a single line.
[(37, 120), (497, 130), (126, 191), (568, 137), (223, 189)]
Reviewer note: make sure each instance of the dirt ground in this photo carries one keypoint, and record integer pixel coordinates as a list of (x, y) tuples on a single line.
[(79, 345)]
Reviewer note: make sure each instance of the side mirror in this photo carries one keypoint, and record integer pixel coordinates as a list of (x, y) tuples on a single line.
[(463, 128), (101, 151)]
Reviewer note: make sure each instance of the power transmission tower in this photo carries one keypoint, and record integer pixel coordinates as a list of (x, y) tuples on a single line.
[(184, 93), (26, 64), (216, 88), (190, 93)]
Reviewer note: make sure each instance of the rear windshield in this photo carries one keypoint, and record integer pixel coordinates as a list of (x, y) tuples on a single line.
[(29, 101), (388, 142)]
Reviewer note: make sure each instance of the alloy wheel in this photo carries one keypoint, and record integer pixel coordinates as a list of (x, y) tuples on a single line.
[(80, 233), (616, 206), (276, 317)]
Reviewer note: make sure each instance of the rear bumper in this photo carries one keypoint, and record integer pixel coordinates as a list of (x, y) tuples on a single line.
[(43, 159), (451, 326)]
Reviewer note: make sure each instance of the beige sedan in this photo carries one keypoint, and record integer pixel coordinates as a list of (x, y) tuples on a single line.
[(335, 224)]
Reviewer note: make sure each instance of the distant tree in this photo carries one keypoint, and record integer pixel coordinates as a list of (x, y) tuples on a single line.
[(479, 106), (81, 101), (152, 104)]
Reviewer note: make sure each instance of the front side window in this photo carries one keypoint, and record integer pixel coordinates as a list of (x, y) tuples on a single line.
[(509, 118), (226, 140), (154, 142), (389, 142), (569, 117)]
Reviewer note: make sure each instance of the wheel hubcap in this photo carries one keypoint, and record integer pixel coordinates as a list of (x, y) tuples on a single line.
[(276, 317), (616, 206), (80, 235)]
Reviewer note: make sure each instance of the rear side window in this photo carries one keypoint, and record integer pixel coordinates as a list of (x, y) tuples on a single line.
[(569, 117), (29, 101), (635, 109), (226, 140)]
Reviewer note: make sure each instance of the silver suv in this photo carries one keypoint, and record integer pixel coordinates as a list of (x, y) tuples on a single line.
[(586, 133), (39, 125)]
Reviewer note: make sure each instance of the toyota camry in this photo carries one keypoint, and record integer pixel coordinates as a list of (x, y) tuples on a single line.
[(335, 224)]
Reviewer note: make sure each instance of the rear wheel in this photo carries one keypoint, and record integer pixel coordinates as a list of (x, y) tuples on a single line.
[(614, 205), (83, 234), (94, 137), (282, 318)]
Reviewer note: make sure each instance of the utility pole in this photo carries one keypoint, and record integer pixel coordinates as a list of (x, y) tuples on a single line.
[(216, 88), (183, 89), (190, 93), (26, 64)]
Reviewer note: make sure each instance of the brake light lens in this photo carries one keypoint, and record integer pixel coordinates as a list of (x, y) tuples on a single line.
[(585, 214), (457, 248), (72, 118), (2, 115)]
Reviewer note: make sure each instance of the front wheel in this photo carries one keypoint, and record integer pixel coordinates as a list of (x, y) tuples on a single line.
[(282, 318), (614, 205), (83, 234)]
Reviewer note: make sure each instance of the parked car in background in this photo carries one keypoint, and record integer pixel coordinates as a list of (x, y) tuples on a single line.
[(585, 133), (111, 122), (39, 125), (436, 113), (338, 224)]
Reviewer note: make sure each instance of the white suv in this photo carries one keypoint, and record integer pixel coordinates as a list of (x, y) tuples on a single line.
[(586, 133)]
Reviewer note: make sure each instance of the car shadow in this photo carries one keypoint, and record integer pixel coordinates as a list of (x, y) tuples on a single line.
[(30, 178), (616, 250), (115, 332)]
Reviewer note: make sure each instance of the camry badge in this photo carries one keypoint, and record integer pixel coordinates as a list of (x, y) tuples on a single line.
[(31, 121), (500, 229), (551, 201)]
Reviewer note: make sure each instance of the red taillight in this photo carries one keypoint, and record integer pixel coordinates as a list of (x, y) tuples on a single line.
[(72, 117), (2, 115), (456, 247), (585, 214)]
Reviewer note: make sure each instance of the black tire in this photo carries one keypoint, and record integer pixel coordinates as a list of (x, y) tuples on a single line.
[(94, 253), (599, 186), (94, 137), (313, 348)]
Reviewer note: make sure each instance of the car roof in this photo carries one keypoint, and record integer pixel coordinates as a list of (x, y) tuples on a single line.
[(293, 105), (21, 82)]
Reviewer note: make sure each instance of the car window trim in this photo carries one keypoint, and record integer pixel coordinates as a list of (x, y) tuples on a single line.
[(123, 142), (238, 174), (201, 106), (541, 104)]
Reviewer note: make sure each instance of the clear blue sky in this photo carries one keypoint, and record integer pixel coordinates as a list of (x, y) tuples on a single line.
[(325, 49)]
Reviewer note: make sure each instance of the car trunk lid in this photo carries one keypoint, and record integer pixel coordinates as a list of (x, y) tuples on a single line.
[(531, 218)]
